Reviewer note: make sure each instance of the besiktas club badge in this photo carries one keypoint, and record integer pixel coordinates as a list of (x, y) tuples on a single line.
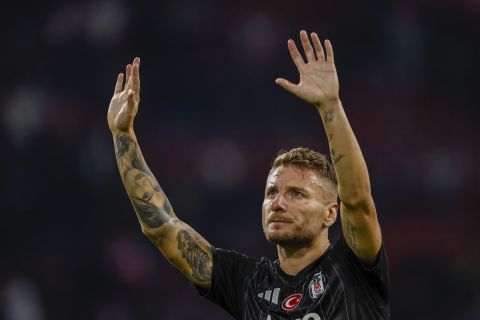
[(316, 286)]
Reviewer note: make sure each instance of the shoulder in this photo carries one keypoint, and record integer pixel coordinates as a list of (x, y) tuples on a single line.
[(234, 255), (374, 275), (232, 276), (232, 259), (342, 251)]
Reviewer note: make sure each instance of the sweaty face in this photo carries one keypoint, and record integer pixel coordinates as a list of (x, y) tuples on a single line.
[(295, 206)]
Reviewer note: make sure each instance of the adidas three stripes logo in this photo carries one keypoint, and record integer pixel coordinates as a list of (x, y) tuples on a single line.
[(267, 295)]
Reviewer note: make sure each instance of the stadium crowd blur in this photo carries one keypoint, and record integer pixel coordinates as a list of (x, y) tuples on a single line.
[(211, 119)]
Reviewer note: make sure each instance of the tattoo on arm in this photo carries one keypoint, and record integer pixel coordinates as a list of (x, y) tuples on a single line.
[(198, 259), (150, 214), (122, 145), (329, 115), (352, 233), (336, 158), (138, 178)]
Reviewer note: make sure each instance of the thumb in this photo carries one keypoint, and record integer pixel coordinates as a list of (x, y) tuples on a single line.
[(287, 85)]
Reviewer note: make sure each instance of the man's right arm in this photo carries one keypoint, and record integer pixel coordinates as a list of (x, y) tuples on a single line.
[(179, 243)]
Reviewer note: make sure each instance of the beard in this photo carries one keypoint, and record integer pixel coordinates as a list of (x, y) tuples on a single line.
[(298, 238)]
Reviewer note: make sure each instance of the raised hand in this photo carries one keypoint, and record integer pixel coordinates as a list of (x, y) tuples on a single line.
[(318, 77), (124, 104)]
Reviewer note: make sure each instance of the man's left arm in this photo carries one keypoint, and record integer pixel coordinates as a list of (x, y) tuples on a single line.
[(319, 86)]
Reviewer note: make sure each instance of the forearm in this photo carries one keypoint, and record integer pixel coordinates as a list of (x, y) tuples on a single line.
[(149, 201), (180, 244), (350, 167), (183, 247)]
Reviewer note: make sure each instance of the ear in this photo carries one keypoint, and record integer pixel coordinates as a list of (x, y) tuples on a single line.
[(331, 217)]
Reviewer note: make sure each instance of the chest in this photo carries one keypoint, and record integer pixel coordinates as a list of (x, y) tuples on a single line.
[(317, 295)]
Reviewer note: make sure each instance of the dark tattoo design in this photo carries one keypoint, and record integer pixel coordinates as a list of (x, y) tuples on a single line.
[(353, 231), (139, 163), (167, 207), (198, 259), (138, 178), (122, 145), (336, 158), (329, 115), (150, 214)]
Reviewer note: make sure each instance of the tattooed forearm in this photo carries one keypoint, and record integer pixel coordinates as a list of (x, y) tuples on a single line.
[(336, 158), (198, 259), (126, 149), (352, 231), (139, 163), (149, 201), (329, 115), (122, 145), (150, 214)]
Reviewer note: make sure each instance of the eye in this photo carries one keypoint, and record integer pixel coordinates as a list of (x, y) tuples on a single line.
[(271, 193), (296, 194)]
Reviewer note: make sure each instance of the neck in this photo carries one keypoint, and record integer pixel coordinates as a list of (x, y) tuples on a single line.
[(294, 259)]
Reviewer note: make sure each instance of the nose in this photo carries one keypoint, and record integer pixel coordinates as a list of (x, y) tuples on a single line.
[(278, 204)]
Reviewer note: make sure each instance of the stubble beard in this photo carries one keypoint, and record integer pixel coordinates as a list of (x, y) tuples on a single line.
[(298, 238)]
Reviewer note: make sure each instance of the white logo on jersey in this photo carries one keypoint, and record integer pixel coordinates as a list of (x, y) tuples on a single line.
[(316, 286), (267, 295), (310, 316)]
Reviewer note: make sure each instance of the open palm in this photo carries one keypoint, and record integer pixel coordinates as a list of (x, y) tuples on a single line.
[(318, 76), (124, 104)]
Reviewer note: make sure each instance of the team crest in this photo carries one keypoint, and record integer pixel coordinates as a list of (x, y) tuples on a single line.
[(316, 286)]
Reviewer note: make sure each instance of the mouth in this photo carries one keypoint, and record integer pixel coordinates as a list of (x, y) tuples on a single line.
[(276, 225), (278, 220)]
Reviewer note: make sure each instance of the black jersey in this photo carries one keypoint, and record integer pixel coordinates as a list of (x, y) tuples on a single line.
[(335, 286)]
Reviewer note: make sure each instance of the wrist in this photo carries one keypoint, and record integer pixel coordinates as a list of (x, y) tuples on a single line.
[(117, 133), (328, 104)]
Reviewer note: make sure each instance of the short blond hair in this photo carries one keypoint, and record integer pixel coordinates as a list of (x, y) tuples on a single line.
[(305, 158)]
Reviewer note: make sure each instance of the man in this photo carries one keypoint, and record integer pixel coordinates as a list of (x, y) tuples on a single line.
[(311, 280)]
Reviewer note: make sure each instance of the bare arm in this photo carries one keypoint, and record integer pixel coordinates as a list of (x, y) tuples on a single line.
[(319, 86), (178, 242)]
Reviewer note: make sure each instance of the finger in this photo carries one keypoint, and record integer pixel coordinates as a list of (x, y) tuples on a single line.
[(317, 44), (128, 72), (329, 50), (296, 56), (287, 85), (307, 46), (131, 100), (136, 75), (119, 83)]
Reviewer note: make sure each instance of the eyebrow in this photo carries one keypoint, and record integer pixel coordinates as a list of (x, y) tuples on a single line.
[(267, 188), (296, 188), (289, 188)]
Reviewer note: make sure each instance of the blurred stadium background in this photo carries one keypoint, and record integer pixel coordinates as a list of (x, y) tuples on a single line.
[(211, 120)]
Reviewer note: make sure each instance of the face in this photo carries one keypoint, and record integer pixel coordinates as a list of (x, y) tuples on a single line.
[(143, 186), (297, 206)]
